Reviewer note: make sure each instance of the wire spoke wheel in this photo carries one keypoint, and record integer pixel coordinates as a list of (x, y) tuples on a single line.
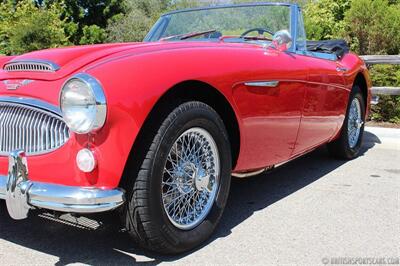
[(182, 185), (355, 123), (347, 145), (191, 178)]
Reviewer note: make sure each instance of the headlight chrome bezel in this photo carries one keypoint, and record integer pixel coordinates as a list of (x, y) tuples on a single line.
[(100, 101)]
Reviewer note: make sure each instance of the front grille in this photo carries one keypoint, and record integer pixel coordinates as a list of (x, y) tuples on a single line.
[(31, 129)]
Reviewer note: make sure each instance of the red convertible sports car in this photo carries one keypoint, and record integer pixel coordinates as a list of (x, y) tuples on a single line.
[(156, 129)]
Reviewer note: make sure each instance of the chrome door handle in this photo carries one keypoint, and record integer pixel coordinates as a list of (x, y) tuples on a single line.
[(341, 69)]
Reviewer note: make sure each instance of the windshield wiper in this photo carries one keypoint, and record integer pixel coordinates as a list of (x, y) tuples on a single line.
[(185, 36)]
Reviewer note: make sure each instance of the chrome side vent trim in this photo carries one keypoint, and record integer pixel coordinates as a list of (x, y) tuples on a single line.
[(269, 84), (31, 66), (34, 130)]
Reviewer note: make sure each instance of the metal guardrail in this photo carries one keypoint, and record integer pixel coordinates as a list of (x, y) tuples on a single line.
[(385, 91), (383, 60)]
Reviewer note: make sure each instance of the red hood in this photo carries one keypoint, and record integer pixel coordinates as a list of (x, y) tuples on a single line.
[(72, 59), (69, 59)]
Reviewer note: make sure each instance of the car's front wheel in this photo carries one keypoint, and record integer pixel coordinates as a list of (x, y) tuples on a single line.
[(183, 184)]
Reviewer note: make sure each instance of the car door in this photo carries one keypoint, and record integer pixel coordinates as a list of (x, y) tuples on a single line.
[(323, 103), (324, 98), (270, 102)]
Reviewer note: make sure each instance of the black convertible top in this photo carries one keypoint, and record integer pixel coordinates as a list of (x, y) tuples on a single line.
[(338, 47)]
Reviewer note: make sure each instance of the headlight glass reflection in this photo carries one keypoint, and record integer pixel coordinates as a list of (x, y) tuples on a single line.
[(82, 111)]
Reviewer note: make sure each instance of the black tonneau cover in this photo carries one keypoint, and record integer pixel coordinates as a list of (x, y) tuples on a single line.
[(338, 47)]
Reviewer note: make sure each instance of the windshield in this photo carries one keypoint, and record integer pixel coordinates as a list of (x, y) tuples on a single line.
[(251, 22)]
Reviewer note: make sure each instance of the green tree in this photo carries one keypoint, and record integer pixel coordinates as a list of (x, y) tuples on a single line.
[(324, 19), (26, 27), (132, 27), (373, 27), (93, 34), (87, 19), (139, 16)]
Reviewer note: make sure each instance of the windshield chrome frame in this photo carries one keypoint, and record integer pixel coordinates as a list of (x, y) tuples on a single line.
[(228, 6), (294, 12)]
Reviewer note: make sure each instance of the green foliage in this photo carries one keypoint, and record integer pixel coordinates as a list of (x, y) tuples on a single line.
[(385, 75), (25, 27), (370, 26), (388, 108), (324, 19), (82, 15), (131, 27), (373, 27), (139, 16), (93, 34)]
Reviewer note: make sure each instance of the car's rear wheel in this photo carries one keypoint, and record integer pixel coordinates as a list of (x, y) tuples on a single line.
[(183, 184), (348, 145)]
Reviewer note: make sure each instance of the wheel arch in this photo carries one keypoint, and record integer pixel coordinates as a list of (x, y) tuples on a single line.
[(361, 81), (190, 90), (194, 90)]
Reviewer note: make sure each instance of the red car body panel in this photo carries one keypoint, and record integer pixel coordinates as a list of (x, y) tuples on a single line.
[(305, 110)]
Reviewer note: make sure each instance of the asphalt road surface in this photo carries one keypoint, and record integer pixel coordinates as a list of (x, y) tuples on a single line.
[(309, 212)]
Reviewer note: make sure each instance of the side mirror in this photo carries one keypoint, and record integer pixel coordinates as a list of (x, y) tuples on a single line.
[(282, 40)]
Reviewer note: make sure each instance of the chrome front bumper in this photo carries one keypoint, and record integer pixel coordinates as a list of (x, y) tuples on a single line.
[(21, 194)]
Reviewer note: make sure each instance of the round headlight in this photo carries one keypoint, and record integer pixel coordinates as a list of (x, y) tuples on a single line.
[(83, 104)]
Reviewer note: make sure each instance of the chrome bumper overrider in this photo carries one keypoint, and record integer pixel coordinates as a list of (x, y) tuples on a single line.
[(21, 194)]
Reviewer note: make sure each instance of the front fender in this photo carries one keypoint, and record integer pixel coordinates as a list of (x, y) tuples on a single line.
[(133, 86)]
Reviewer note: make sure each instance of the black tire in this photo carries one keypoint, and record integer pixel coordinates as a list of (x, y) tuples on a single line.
[(146, 219), (340, 148)]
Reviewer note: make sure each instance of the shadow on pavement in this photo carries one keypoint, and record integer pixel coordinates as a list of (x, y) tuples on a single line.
[(99, 240)]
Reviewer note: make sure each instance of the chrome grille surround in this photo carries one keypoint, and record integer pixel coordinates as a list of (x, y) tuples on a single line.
[(31, 66), (30, 128)]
